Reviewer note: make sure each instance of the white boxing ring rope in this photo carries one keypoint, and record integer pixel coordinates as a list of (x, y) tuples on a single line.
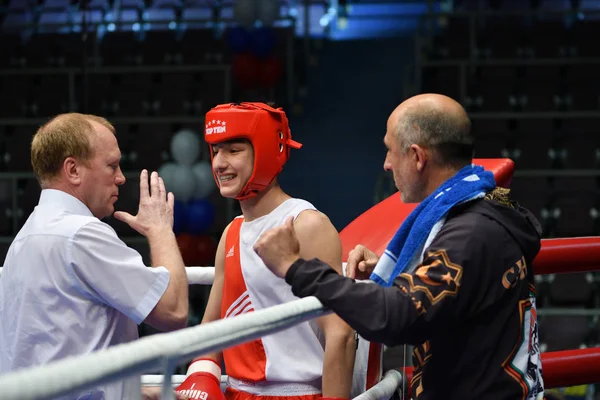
[(195, 275), (176, 380), (166, 350), (200, 275), (385, 388), (382, 390)]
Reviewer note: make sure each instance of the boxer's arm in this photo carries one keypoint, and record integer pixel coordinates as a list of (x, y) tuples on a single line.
[(319, 238), (213, 307)]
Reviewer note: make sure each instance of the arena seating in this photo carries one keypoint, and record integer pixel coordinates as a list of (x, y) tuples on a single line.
[(149, 83)]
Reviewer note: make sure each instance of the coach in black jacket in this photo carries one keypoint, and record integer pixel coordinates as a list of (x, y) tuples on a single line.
[(469, 306)]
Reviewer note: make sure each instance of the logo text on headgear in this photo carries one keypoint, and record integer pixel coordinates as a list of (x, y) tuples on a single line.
[(216, 126)]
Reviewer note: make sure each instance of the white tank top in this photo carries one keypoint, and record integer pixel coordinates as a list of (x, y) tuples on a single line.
[(290, 362), (294, 355)]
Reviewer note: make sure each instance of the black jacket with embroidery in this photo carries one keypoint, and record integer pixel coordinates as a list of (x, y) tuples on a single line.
[(468, 308)]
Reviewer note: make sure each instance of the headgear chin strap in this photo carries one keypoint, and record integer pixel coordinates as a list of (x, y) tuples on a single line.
[(265, 127)]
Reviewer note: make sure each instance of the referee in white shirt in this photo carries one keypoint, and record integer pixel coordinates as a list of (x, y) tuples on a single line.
[(69, 285)]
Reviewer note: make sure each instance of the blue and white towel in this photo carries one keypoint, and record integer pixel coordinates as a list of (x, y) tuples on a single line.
[(470, 183)]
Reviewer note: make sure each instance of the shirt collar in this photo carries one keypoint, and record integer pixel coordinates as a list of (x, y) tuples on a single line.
[(65, 201)]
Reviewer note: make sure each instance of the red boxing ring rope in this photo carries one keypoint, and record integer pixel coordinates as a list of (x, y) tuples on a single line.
[(571, 367), (563, 368), (567, 255)]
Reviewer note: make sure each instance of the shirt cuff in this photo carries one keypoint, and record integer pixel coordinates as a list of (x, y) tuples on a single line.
[(153, 295), (289, 275)]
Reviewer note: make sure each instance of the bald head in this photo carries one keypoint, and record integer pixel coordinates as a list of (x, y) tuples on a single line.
[(435, 121), (433, 101)]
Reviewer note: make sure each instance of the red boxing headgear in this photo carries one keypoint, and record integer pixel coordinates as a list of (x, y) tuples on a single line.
[(265, 127)]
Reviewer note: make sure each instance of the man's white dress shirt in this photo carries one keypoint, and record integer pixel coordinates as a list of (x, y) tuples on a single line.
[(70, 286)]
